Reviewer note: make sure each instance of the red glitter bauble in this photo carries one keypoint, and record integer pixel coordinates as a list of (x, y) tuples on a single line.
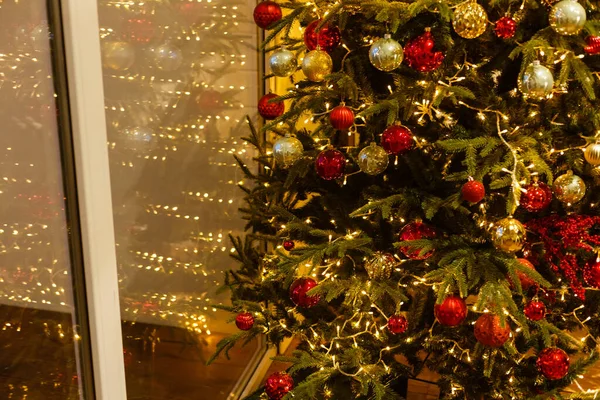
[(536, 197), (415, 231), (244, 321), (505, 28), (330, 164), (451, 312), (473, 191), (298, 291), (489, 332), (553, 363), (278, 385), (267, 13), (270, 110), (419, 53), (397, 139), (139, 30), (341, 117), (535, 310), (591, 274), (289, 245), (593, 45), (397, 324), (327, 38)]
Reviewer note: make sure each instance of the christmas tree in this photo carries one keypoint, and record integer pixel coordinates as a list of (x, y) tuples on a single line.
[(439, 213)]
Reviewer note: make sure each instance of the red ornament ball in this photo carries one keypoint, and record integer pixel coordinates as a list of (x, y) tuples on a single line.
[(244, 321), (328, 38), (278, 385), (139, 30), (289, 245), (452, 311), (298, 291), (341, 117), (270, 110), (209, 101), (330, 164), (553, 363), (397, 139), (489, 332), (473, 191), (591, 274), (266, 13), (414, 231), (535, 310), (397, 324), (593, 45), (505, 28), (537, 196), (526, 282), (419, 53)]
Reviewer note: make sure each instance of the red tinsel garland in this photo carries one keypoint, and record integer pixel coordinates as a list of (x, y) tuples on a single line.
[(562, 238)]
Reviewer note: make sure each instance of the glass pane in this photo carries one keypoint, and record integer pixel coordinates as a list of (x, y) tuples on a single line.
[(179, 78), (39, 332)]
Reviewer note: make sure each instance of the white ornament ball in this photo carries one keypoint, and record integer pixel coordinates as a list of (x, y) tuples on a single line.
[(283, 63), (287, 150), (168, 57), (567, 17), (536, 82), (386, 54)]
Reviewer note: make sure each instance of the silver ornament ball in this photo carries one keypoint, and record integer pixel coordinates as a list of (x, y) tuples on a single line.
[(118, 56), (567, 17), (138, 138), (569, 188), (536, 82), (373, 159), (168, 57), (287, 150), (283, 63), (592, 154), (386, 54)]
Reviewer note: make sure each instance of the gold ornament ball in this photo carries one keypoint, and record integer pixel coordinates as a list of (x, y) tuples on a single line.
[(536, 82), (380, 266), (592, 154), (509, 235), (283, 63), (470, 20), (373, 159), (569, 188), (287, 150), (567, 17), (118, 56), (317, 65), (386, 54)]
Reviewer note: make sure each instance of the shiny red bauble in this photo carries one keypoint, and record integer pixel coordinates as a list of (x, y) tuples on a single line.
[(535, 310), (298, 291), (327, 38), (489, 332), (330, 164), (209, 101), (553, 363), (473, 191), (419, 53), (451, 312), (414, 231), (526, 282), (397, 139), (593, 45), (536, 197), (270, 110), (289, 245), (591, 274), (139, 30), (278, 385), (341, 117), (397, 324), (266, 13), (244, 321), (505, 28)]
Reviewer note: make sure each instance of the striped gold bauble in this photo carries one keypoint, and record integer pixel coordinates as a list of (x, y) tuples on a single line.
[(592, 154)]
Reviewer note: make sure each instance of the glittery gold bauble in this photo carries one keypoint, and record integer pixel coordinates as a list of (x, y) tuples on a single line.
[(380, 266), (536, 81), (567, 17), (316, 65), (283, 63), (118, 56), (509, 235), (287, 150), (592, 154), (373, 159), (470, 20), (386, 54), (569, 188)]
